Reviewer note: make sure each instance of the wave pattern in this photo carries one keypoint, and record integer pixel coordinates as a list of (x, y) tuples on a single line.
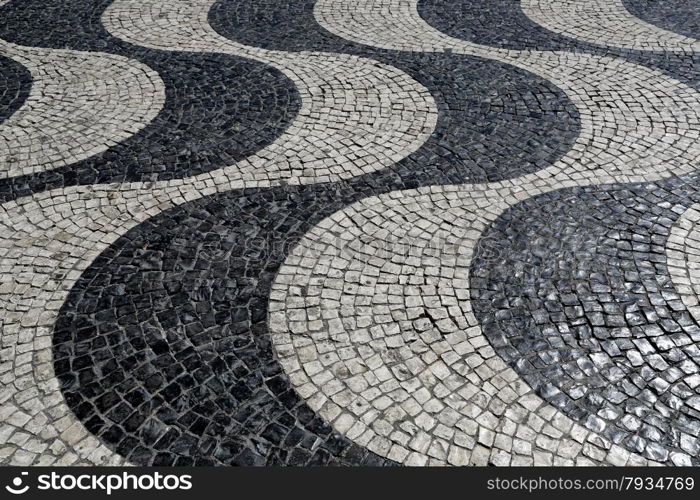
[(348, 233), (219, 109), (439, 74), (605, 21), (503, 24), (585, 311), (373, 322), (15, 84), (80, 104), (190, 376)]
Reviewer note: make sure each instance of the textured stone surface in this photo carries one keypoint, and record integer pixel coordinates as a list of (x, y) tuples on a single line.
[(80, 104), (572, 291), (502, 23), (679, 16), (15, 84), (605, 22), (474, 98), (370, 317), (349, 233), (683, 259), (218, 108), (169, 362)]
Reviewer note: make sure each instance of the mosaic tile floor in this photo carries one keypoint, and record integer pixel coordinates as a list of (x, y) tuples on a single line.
[(355, 232)]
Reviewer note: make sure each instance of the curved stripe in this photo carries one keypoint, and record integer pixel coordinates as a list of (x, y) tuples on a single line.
[(44, 262), (605, 22), (623, 107), (219, 108), (172, 26), (390, 24), (53, 259), (571, 290), (547, 124), (683, 259), (380, 114), (15, 85), (497, 23), (679, 16), (79, 105), (494, 121), (370, 317), (502, 23)]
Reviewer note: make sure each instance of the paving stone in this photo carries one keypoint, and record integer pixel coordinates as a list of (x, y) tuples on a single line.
[(421, 232), (622, 384)]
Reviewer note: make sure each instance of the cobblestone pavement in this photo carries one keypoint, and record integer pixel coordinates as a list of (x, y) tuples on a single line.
[(349, 232)]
